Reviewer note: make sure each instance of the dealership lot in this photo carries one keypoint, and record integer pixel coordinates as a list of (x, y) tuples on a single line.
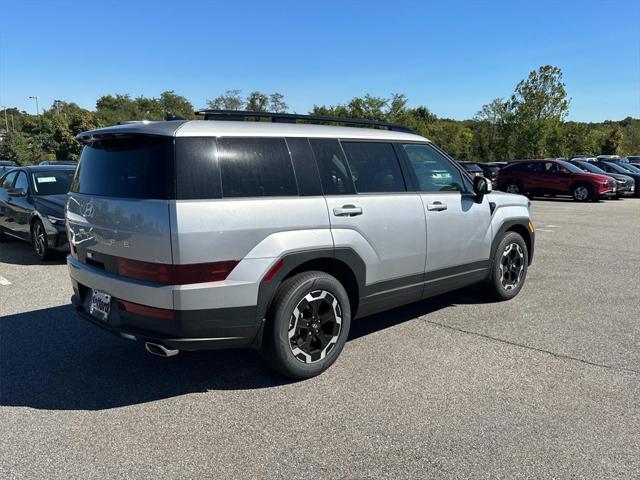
[(546, 385)]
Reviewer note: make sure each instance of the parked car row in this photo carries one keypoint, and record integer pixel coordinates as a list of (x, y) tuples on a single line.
[(584, 178)]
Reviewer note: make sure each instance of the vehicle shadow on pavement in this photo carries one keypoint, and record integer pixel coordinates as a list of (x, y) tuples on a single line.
[(50, 359), (15, 252)]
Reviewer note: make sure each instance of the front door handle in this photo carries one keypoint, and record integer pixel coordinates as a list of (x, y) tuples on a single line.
[(436, 206), (347, 211)]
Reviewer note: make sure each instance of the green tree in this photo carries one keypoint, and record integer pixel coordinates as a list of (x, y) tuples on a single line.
[(257, 102), (611, 144), (538, 104), (229, 100), (176, 105), (277, 103)]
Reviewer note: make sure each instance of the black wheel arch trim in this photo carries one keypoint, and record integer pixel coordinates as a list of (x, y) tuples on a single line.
[(523, 224), (291, 261)]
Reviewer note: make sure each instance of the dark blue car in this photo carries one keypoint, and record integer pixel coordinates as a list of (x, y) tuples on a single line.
[(32, 203)]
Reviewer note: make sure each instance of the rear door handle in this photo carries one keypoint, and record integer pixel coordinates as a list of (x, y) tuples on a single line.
[(347, 211), (436, 206)]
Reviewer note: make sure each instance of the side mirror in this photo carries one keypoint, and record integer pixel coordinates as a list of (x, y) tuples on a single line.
[(481, 186), (17, 192), (563, 170)]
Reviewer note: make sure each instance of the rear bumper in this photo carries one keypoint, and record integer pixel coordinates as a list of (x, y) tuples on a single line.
[(216, 326), (210, 332)]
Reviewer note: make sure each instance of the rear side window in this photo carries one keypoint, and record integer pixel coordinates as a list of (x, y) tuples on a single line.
[(256, 167), (334, 172), (197, 168), (374, 167), (127, 166)]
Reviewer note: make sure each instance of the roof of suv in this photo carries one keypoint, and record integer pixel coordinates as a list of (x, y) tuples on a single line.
[(201, 128)]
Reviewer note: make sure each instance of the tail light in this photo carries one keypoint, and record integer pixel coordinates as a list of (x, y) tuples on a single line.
[(176, 274)]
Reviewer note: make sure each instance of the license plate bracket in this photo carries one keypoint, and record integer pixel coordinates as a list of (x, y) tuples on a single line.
[(100, 305)]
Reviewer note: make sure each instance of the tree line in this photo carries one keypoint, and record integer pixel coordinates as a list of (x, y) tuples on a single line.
[(530, 123)]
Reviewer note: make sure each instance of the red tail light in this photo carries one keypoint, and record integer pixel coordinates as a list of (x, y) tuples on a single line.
[(176, 274), (146, 310)]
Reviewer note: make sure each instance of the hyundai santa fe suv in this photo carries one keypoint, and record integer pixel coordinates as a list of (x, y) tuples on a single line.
[(275, 235)]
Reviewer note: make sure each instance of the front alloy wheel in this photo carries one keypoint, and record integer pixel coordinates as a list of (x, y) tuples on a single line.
[(581, 193), (39, 240), (511, 266)]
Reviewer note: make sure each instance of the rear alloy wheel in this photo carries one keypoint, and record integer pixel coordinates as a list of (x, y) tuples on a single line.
[(509, 267), (307, 326), (581, 193), (39, 240)]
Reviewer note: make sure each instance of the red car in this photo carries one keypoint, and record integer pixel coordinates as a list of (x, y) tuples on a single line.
[(554, 177)]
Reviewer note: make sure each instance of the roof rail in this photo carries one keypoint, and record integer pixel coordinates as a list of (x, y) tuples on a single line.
[(240, 115)]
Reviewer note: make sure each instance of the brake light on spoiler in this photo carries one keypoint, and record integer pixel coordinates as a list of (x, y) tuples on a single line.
[(176, 274)]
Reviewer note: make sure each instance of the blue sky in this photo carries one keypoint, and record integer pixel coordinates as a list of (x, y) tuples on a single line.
[(451, 56)]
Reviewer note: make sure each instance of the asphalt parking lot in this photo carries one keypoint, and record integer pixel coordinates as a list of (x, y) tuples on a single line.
[(544, 386)]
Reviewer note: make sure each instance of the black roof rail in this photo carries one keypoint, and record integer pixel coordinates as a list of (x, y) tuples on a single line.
[(240, 115)]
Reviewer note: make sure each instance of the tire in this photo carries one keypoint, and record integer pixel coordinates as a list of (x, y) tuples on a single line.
[(514, 187), (39, 240), (582, 193), (298, 307), (3, 237), (509, 267)]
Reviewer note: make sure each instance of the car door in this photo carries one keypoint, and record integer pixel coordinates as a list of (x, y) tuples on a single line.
[(458, 225), (5, 186), (372, 213), (20, 205)]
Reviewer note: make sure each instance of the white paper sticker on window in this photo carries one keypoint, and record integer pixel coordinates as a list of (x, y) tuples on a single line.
[(46, 179)]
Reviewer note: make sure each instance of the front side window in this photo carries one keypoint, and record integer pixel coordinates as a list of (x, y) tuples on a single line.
[(332, 166), (256, 167), (374, 167), (8, 180), (434, 172), (22, 183)]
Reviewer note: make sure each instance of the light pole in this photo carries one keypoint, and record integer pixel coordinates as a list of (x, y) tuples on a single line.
[(35, 97)]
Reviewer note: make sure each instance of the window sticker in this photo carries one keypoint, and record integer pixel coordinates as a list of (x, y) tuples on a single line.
[(46, 179)]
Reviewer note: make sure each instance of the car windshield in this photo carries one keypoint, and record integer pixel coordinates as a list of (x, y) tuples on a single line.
[(617, 167), (631, 168), (569, 166), (588, 167), (472, 167), (53, 182)]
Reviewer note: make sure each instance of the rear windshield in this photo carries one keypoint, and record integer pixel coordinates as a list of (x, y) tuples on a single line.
[(54, 182), (137, 166)]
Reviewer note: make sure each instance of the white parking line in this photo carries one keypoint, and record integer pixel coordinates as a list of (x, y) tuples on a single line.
[(4, 281), (543, 230)]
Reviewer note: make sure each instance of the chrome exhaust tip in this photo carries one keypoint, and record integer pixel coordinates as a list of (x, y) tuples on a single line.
[(160, 350)]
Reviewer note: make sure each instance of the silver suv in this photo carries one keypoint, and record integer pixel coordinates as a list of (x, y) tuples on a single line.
[(189, 235)]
